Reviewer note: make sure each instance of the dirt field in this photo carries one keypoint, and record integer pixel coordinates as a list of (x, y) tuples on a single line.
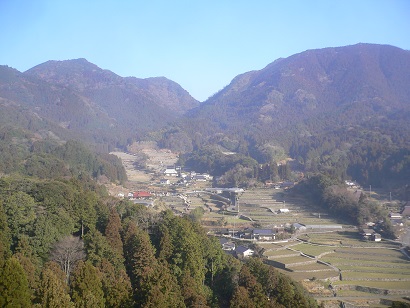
[(142, 178)]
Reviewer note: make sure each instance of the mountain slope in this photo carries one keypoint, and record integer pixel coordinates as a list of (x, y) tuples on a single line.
[(90, 103), (317, 82), (89, 79), (344, 111), (310, 92)]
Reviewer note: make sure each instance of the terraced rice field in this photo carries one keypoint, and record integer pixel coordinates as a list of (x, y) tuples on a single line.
[(366, 268), (313, 250), (370, 264)]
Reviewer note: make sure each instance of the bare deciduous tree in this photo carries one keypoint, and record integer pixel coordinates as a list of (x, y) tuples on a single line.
[(67, 252)]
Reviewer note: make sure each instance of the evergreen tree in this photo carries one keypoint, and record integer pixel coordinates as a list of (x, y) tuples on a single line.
[(254, 288), (86, 286), (140, 261), (116, 286), (241, 299), (5, 236), (20, 211), (98, 248), (113, 232), (52, 292), (28, 261), (14, 288), (152, 282)]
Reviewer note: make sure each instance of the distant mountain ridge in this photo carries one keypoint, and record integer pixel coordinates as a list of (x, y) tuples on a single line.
[(87, 77), (349, 85), (303, 95), (94, 104)]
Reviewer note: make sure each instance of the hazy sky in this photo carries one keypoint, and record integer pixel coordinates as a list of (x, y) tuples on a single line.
[(202, 45)]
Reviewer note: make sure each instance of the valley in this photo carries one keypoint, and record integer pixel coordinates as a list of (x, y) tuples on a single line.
[(329, 257)]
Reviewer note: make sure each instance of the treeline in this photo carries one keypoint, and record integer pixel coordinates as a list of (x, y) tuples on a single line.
[(233, 169), (351, 206), (371, 156), (24, 153), (374, 150), (65, 243)]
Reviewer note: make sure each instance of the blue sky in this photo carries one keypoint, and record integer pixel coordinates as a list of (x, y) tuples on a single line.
[(202, 45)]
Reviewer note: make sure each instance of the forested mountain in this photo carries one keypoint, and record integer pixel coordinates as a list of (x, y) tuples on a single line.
[(77, 98), (314, 91), (342, 110)]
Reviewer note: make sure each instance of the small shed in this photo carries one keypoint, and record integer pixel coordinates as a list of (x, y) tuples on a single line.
[(376, 237)]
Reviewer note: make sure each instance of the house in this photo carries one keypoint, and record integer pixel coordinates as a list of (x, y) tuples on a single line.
[(376, 237), (243, 252), (281, 211), (170, 171), (299, 227), (395, 215), (226, 244), (367, 233), (201, 177), (141, 194), (263, 234)]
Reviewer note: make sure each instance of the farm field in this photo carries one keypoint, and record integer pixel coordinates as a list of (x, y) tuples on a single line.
[(341, 267)]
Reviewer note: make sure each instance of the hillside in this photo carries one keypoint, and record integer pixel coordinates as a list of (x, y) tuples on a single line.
[(349, 85), (77, 98), (319, 106)]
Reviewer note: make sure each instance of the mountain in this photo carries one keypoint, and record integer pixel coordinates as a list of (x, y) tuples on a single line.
[(345, 109), (89, 79), (90, 103), (349, 85)]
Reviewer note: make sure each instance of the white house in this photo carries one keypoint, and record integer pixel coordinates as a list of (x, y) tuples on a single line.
[(227, 244), (243, 252)]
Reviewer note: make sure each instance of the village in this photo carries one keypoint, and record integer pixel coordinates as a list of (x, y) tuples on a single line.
[(331, 259)]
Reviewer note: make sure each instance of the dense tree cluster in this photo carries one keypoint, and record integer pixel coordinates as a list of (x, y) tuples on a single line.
[(367, 155), (22, 153), (351, 206), (232, 169), (65, 243)]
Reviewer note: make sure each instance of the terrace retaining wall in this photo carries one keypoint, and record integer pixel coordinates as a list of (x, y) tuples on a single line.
[(371, 290)]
